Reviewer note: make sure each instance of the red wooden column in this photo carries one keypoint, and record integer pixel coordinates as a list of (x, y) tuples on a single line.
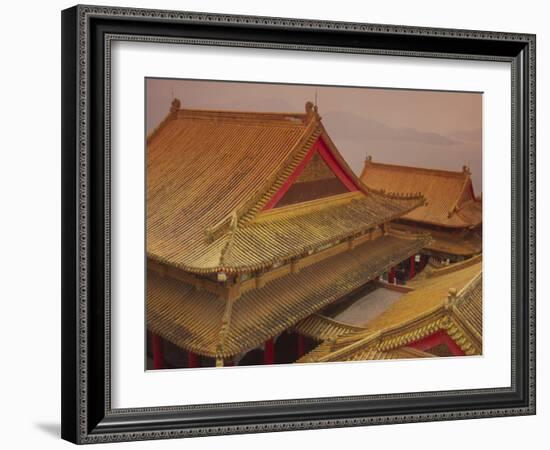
[(300, 346), (192, 360), (158, 354), (269, 352), (411, 270), (391, 275)]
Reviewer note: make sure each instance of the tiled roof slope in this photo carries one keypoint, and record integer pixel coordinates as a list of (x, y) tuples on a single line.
[(209, 173), (427, 294), (424, 311), (199, 321), (463, 243), (449, 195), (321, 328)]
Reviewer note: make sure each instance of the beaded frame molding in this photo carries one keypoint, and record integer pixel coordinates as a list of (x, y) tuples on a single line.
[(87, 35)]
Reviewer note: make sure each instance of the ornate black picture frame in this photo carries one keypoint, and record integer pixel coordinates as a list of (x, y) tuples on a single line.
[(87, 34)]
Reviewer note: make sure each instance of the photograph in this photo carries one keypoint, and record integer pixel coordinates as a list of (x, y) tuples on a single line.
[(295, 224), (280, 220)]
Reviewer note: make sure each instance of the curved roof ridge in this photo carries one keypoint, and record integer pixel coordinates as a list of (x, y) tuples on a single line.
[(460, 199), (288, 117), (457, 266), (396, 195), (340, 323), (463, 294), (464, 173), (362, 338), (224, 330), (177, 112)]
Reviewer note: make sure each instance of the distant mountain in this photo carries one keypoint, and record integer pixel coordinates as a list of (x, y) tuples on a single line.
[(350, 125), (468, 135)]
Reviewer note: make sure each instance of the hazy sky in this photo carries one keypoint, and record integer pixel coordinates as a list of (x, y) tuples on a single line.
[(440, 130)]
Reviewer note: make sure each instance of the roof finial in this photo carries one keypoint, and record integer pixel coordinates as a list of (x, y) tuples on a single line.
[(311, 109), (368, 159), (466, 169), (316, 94), (451, 297), (175, 106)]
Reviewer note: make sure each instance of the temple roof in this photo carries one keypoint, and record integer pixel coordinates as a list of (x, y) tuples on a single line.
[(450, 197), (320, 327), (210, 174), (201, 322), (464, 243), (448, 299)]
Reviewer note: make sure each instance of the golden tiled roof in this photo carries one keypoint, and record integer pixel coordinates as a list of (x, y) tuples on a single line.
[(285, 235), (470, 211), (321, 328), (200, 321), (373, 353), (209, 174), (427, 294), (363, 352), (449, 300), (469, 307), (466, 242), (449, 195)]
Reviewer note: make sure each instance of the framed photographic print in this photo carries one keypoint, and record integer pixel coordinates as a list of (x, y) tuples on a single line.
[(282, 224)]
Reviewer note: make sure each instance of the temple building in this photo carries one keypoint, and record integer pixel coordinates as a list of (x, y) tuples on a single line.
[(255, 222), (452, 214), (437, 314)]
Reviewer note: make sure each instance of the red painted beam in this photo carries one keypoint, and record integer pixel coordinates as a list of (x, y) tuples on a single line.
[(158, 353), (329, 158)]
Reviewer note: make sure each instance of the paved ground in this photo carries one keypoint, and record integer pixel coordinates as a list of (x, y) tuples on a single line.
[(368, 307)]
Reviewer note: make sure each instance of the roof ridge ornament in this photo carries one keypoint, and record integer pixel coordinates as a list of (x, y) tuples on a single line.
[(172, 114), (232, 229), (175, 106), (451, 298), (312, 111)]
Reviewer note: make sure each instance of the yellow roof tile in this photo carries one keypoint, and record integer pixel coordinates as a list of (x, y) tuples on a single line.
[(198, 321), (465, 243), (427, 294), (423, 311), (321, 328), (449, 195), (209, 173)]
